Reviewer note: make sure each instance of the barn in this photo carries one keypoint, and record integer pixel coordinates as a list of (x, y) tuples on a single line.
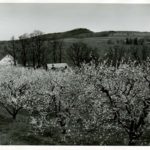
[(58, 66)]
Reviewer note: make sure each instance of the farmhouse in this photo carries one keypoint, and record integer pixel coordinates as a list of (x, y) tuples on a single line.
[(7, 60)]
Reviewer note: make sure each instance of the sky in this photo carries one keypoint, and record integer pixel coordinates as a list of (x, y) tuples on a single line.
[(17, 19)]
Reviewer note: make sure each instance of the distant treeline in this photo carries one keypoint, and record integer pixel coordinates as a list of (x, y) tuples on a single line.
[(37, 50), (33, 50)]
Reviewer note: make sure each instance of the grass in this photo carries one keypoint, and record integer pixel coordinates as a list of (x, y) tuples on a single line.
[(15, 132), (11, 130), (18, 132)]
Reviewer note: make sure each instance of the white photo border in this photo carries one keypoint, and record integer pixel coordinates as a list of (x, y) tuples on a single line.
[(79, 1), (24, 147)]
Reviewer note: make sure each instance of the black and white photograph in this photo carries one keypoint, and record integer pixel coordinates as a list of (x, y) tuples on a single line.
[(75, 74)]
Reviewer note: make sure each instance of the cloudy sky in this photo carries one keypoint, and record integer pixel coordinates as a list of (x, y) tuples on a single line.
[(16, 19)]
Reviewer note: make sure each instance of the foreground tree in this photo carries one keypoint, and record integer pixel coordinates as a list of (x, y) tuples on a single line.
[(64, 103), (15, 89), (46, 92), (128, 97)]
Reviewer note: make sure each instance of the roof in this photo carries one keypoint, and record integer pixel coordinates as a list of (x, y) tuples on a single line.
[(7, 60), (57, 65)]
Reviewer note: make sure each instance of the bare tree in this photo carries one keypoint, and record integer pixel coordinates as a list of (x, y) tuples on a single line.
[(144, 52), (56, 49), (23, 39), (33, 50), (80, 52), (115, 55), (13, 50), (38, 49), (54, 45), (60, 48)]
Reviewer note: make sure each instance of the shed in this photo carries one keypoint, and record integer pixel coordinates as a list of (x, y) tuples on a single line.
[(58, 66)]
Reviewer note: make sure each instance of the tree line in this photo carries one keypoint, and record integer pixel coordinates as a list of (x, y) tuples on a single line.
[(33, 50)]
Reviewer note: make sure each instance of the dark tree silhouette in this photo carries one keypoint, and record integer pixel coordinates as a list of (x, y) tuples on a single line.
[(12, 50), (23, 39), (38, 49), (80, 52)]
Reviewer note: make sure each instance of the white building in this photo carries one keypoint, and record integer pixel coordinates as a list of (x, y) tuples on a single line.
[(7, 60)]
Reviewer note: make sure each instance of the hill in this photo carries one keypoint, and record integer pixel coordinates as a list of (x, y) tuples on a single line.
[(76, 33), (100, 40)]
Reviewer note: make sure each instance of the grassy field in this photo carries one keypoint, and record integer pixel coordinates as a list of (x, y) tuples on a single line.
[(18, 132)]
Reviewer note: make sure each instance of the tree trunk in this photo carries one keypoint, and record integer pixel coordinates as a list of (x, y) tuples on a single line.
[(60, 55), (14, 116), (33, 60), (132, 140), (15, 112), (55, 105)]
